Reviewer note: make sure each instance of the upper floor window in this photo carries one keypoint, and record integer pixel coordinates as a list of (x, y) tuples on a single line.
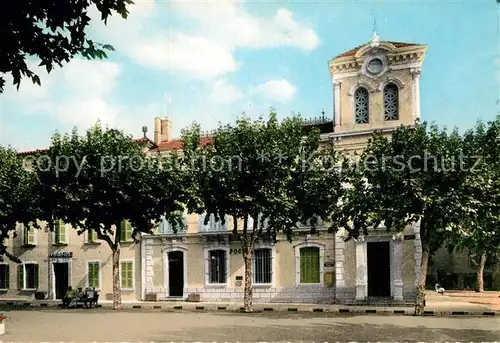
[(60, 232), (29, 235), (391, 102), (125, 231), (362, 107)]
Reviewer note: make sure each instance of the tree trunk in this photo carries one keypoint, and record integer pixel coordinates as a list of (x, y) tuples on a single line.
[(248, 295), (117, 295), (480, 272), (420, 300)]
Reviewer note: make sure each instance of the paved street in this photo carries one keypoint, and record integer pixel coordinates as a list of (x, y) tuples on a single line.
[(81, 325)]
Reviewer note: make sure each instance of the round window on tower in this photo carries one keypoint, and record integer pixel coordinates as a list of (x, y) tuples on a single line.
[(375, 66)]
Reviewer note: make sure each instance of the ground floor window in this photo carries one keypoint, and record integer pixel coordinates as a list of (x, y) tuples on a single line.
[(127, 275), (309, 265), (217, 271), (28, 276), (93, 273), (4, 276), (262, 266)]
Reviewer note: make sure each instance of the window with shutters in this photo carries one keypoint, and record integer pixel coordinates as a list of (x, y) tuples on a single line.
[(127, 275), (310, 262), (217, 266), (60, 232), (125, 231), (263, 266), (362, 106), (28, 276), (391, 102), (4, 276), (92, 237), (94, 274), (30, 235)]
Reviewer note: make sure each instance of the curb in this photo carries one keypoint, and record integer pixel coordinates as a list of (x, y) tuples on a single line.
[(259, 309)]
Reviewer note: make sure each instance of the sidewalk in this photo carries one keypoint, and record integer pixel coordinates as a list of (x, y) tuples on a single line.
[(436, 305)]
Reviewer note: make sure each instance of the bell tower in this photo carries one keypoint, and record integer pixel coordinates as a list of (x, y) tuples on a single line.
[(376, 87)]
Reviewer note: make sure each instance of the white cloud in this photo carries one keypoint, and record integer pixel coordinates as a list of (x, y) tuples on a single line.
[(222, 92), (278, 90), (205, 50), (77, 94), (198, 56), (228, 22)]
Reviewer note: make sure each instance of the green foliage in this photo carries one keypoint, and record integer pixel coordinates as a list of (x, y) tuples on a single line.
[(17, 201), (478, 230), (96, 180), (412, 177), (261, 169), (54, 32)]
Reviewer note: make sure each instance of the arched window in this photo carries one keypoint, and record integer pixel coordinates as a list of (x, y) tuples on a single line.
[(391, 102), (361, 99)]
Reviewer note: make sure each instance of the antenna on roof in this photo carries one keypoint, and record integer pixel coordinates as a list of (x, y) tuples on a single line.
[(375, 39)]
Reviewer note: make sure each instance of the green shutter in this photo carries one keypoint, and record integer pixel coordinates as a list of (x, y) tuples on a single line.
[(20, 276), (62, 232), (123, 274), (59, 232), (97, 281), (29, 235), (93, 236), (129, 276), (122, 230), (309, 265), (126, 275), (128, 227), (36, 275), (93, 274), (7, 276), (125, 231)]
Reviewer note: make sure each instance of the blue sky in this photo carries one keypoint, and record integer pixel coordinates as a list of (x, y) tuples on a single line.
[(209, 62)]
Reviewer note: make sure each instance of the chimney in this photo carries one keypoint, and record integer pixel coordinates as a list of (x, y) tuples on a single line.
[(166, 127), (162, 130), (157, 130)]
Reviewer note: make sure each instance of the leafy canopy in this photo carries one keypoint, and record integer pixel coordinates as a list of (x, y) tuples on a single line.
[(96, 180), (478, 231), (17, 200), (263, 170), (51, 31), (413, 176)]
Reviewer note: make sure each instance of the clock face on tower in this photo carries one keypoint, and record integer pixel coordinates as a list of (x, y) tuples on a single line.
[(375, 66)]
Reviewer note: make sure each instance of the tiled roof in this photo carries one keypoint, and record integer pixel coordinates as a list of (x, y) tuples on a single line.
[(353, 52), (177, 144), (40, 151)]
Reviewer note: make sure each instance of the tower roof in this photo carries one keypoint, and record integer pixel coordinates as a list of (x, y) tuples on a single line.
[(353, 51)]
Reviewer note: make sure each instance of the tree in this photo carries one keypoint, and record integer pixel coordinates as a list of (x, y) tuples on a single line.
[(54, 32), (265, 175), (410, 179), (17, 202), (478, 231), (104, 182)]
